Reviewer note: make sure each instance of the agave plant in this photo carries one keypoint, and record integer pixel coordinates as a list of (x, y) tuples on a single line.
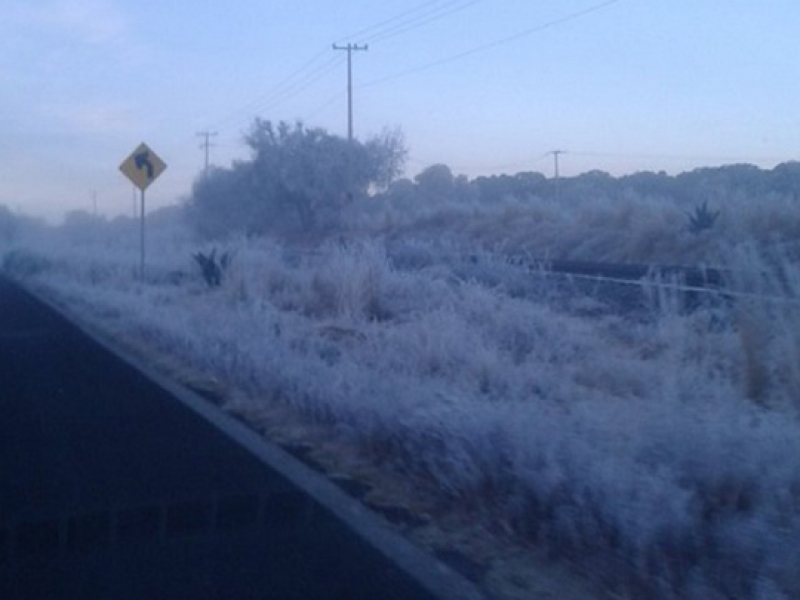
[(702, 219), (212, 269)]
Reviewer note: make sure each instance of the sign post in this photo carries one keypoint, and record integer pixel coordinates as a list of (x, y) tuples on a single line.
[(142, 167)]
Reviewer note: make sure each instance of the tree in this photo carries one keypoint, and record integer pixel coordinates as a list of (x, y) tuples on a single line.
[(436, 183), (402, 194), (297, 181), (785, 179), (226, 200), (524, 185)]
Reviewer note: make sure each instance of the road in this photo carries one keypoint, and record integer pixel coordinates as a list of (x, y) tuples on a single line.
[(109, 488)]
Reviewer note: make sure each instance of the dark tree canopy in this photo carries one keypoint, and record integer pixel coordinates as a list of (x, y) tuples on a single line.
[(297, 181)]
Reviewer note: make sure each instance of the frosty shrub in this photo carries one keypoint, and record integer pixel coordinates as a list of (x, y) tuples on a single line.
[(298, 181)]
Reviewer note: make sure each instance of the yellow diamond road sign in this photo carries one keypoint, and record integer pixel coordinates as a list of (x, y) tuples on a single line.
[(142, 167)]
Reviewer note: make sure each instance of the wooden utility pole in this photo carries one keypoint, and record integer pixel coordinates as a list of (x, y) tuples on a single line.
[(206, 145), (350, 48), (556, 154)]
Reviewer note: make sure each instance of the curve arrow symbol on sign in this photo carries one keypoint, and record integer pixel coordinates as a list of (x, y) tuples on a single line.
[(143, 162), (143, 166)]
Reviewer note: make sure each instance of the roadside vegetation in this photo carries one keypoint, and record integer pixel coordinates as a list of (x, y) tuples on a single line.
[(656, 451)]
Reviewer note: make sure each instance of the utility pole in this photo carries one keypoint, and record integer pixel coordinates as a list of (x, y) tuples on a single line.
[(350, 48), (556, 154), (206, 135)]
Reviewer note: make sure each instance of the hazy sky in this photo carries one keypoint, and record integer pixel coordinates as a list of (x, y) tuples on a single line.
[(483, 85)]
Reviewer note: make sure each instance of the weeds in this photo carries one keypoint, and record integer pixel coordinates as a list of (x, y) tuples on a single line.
[(662, 453)]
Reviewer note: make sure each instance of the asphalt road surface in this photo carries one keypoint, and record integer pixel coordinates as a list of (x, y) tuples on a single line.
[(109, 489)]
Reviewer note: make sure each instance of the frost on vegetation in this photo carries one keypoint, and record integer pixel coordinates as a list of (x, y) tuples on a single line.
[(23, 263), (660, 454)]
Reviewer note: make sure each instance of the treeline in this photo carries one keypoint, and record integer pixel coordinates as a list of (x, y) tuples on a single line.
[(692, 187), (301, 181)]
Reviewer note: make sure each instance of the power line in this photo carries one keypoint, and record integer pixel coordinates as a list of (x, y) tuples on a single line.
[(315, 68), (362, 33), (495, 44), (401, 19), (678, 157), (424, 19), (281, 87), (325, 104), (310, 72), (280, 97), (284, 93)]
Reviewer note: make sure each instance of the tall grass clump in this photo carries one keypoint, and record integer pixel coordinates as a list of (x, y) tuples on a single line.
[(767, 281)]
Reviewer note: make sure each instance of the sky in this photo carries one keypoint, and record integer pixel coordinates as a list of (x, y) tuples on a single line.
[(485, 86)]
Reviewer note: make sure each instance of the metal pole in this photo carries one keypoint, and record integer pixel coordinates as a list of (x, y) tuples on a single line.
[(349, 94), (141, 255)]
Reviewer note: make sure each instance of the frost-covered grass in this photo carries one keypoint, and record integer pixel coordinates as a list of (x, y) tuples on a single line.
[(662, 455), (629, 229)]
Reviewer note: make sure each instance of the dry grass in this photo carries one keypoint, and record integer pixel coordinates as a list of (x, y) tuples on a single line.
[(660, 455)]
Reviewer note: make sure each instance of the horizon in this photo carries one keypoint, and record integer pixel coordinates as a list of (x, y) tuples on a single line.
[(135, 215)]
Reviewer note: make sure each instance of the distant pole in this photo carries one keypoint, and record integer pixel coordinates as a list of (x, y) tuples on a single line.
[(206, 145), (350, 48), (556, 154)]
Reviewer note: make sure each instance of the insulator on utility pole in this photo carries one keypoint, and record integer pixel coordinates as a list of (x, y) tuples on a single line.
[(350, 48)]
